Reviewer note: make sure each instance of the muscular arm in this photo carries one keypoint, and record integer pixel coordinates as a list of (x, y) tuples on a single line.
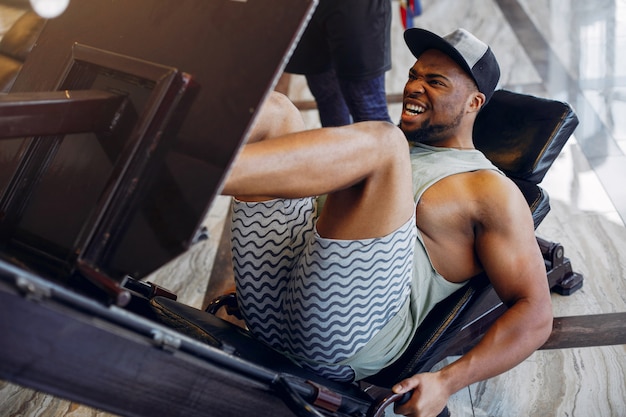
[(507, 248)]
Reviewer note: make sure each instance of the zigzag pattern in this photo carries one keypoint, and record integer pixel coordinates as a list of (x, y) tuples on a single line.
[(317, 299), (266, 240), (336, 372)]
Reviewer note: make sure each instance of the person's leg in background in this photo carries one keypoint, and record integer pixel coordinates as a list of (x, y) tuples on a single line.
[(344, 54), (366, 99), (359, 40), (344, 101), (331, 106)]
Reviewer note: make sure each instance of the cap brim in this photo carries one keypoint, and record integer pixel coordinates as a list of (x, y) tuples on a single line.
[(420, 40)]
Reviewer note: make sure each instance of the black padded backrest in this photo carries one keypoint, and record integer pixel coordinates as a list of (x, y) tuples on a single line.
[(522, 134)]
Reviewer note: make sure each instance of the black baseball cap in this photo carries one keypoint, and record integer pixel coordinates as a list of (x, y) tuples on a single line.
[(472, 54)]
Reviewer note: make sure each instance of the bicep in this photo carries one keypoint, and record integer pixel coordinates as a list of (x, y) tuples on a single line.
[(507, 247)]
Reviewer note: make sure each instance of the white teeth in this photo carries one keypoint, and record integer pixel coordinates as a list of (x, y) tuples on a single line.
[(414, 108)]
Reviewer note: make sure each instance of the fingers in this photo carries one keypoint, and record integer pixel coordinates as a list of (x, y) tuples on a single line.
[(427, 396), (406, 385), (408, 404)]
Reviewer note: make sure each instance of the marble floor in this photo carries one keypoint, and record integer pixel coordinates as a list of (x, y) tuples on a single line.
[(570, 50)]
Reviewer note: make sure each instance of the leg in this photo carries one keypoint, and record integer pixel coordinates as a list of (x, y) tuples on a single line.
[(366, 99), (277, 117), (320, 300), (359, 35), (364, 168), (290, 283), (331, 105), (267, 240), (345, 292)]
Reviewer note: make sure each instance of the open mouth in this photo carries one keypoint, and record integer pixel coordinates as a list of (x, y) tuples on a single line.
[(413, 109)]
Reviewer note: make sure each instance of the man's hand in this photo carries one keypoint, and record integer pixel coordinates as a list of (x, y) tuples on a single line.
[(430, 395)]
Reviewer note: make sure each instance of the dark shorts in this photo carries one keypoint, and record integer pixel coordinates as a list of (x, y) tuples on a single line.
[(352, 35)]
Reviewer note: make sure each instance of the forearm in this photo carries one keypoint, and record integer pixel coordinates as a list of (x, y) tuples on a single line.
[(511, 339)]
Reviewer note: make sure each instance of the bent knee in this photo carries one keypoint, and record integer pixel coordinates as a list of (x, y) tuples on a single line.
[(276, 100), (277, 116), (279, 105), (386, 139)]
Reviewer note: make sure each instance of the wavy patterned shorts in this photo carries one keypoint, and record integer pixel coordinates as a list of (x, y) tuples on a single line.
[(318, 300)]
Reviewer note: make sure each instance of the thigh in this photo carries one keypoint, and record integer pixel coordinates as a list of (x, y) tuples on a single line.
[(267, 240), (364, 168), (345, 292), (383, 200)]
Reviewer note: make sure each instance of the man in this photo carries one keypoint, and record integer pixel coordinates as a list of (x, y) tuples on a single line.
[(344, 294)]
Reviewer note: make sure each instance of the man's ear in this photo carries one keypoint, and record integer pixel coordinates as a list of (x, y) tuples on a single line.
[(477, 101)]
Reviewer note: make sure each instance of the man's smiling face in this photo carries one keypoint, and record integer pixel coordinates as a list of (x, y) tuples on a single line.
[(435, 98)]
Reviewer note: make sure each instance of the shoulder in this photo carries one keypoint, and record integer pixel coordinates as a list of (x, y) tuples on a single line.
[(498, 200), (485, 184), (490, 181)]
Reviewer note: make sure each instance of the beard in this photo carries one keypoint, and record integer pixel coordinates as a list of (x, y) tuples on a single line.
[(426, 134), (432, 133)]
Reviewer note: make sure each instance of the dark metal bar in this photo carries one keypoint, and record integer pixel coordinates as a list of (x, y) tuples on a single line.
[(567, 332), (58, 112), (587, 331), (117, 371), (119, 295)]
